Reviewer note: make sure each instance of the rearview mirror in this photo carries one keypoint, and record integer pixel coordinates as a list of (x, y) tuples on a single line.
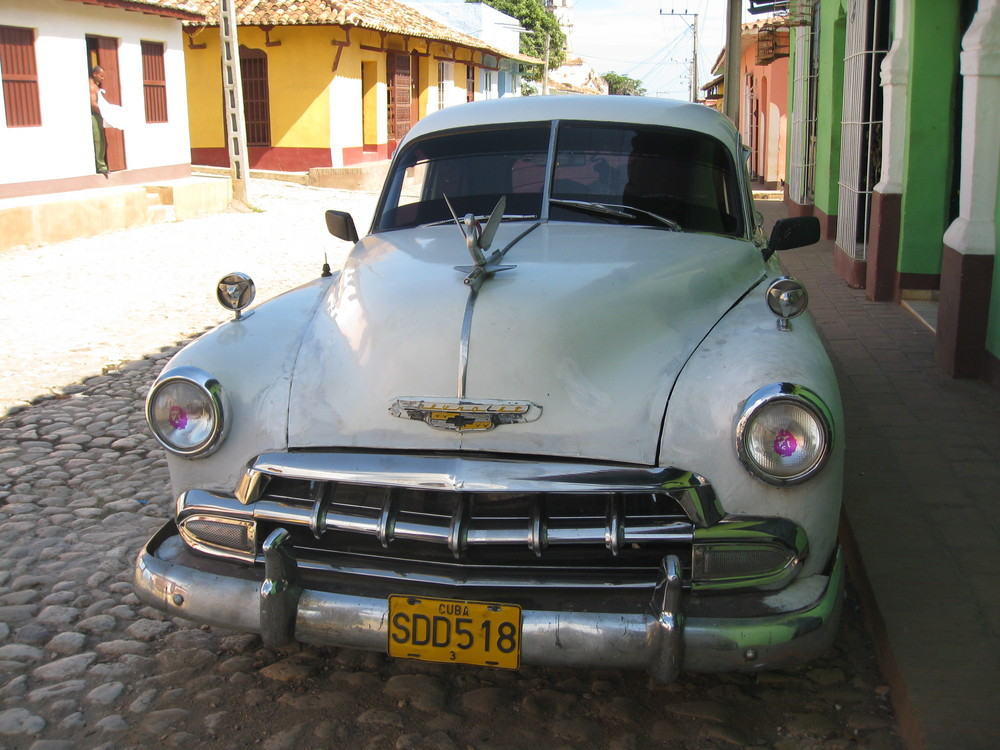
[(340, 224), (797, 231)]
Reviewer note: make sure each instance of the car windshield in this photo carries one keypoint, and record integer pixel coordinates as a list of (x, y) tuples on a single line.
[(616, 174)]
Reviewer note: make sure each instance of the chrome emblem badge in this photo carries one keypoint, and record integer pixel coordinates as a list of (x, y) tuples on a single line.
[(462, 415)]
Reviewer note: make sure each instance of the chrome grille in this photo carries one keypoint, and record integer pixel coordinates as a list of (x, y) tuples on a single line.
[(470, 517), (613, 523)]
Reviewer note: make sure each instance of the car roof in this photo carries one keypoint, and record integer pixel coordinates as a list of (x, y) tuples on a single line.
[(617, 109)]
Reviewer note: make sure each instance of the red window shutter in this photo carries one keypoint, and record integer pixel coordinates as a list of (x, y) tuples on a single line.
[(154, 81), (20, 77)]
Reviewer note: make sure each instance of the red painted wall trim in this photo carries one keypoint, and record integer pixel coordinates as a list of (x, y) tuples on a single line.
[(883, 246), (991, 370), (267, 157), (86, 182), (827, 224), (362, 154), (916, 281), (849, 269), (797, 209), (963, 313)]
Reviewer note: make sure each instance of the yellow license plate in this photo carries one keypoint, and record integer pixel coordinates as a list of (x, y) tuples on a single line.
[(460, 632)]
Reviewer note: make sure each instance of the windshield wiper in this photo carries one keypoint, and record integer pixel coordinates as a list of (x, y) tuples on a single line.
[(616, 210), (483, 217)]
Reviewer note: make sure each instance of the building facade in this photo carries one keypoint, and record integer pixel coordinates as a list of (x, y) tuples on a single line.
[(489, 25), (764, 109), (334, 84), (47, 49), (893, 145)]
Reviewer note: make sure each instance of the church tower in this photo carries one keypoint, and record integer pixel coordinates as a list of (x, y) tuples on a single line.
[(563, 11)]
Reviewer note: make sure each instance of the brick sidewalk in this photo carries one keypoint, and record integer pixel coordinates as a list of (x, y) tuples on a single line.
[(921, 499)]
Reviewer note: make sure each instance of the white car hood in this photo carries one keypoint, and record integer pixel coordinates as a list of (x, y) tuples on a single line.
[(593, 326)]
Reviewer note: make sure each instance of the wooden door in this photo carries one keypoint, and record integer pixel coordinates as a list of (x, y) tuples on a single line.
[(398, 73), (103, 51)]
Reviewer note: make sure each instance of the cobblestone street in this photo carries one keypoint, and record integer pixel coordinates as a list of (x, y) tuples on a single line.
[(83, 664)]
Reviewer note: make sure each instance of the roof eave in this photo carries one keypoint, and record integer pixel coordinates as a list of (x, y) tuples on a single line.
[(148, 8)]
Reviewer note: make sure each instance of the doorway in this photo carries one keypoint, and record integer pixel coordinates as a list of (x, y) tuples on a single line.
[(103, 51)]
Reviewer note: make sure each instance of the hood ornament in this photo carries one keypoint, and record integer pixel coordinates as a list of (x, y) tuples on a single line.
[(478, 240), (464, 415)]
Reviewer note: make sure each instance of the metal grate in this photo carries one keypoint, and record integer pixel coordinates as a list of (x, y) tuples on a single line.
[(802, 152), (861, 126), (256, 96)]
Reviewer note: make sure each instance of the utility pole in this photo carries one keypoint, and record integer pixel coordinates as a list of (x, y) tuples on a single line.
[(545, 69), (734, 34), (694, 51), (232, 87)]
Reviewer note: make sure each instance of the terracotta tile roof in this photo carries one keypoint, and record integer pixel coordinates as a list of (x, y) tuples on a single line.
[(389, 16), (184, 10)]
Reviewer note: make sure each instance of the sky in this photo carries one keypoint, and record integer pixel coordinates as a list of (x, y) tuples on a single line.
[(632, 38)]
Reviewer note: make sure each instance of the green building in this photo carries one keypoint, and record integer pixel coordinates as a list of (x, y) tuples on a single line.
[(894, 144)]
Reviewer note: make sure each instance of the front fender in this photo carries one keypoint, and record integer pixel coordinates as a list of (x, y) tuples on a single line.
[(743, 353), (253, 359)]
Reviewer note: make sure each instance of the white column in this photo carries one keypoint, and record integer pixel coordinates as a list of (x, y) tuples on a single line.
[(974, 231), (895, 77)]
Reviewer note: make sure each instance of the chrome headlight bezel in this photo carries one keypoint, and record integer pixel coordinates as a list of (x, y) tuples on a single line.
[(213, 400), (784, 394)]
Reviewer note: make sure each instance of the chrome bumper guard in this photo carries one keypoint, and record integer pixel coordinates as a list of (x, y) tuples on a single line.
[(661, 641)]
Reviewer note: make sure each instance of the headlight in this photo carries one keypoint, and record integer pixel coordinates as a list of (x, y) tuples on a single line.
[(784, 434), (185, 412)]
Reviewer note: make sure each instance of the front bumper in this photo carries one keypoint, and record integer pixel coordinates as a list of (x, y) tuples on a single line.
[(799, 624)]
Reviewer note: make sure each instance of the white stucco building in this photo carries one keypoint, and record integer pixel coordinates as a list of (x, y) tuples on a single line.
[(489, 25), (47, 49)]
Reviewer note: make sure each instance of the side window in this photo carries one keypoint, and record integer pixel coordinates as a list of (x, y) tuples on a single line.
[(154, 82), (20, 77)]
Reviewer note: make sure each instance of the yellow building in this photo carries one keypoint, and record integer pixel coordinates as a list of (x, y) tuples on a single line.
[(329, 83)]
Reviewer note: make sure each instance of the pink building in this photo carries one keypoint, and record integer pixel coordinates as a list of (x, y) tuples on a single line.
[(764, 88)]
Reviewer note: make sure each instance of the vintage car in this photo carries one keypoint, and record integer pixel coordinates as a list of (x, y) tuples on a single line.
[(557, 408)]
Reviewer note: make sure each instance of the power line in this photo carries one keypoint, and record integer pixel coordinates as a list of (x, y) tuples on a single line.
[(694, 49)]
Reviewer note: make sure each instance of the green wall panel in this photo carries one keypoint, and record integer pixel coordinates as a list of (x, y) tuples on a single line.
[(993, 331), (930, 119), (830, 103)]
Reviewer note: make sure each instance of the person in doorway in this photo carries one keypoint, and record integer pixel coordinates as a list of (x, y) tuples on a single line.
[(97, 122)]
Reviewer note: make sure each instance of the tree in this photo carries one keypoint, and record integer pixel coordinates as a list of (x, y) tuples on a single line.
[(624, 85), (539, 21)]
